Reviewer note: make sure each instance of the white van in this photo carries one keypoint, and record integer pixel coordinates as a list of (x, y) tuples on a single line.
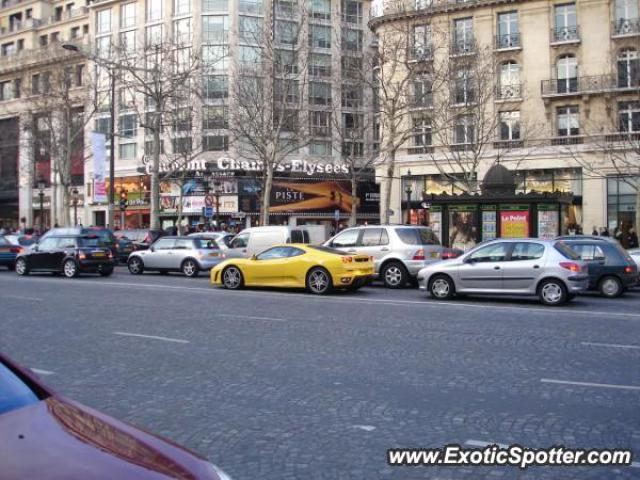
[(254, 240)]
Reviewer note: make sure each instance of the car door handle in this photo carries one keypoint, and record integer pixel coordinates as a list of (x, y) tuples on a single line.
[(351, 250), (496, 267), (384, 249), (536, 266)]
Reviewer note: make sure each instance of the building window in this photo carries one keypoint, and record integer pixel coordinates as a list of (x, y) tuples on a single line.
[(215, 5), (352, 12), (182, 31), (626, 17), (214, 118), (567, 74), (319, 93), (421, 131), (351, 67), (319, 36), (421, 45), (215, 143), (320, 9), (319, 65), (128, 42), (352, 40), (285, 91), (422, 92), (154, 10), (566, 23), (128, 125), (629, 116), (285, 62), (465, 130), (508, 30), (621, 201), (128, 15), (568, 119), (154, 35), (286, 32), (181, 7), (464, 88), (320, 148), (628, 68), (103, 21), (182, 145), (148, 147), (103, 47), (463, 35), (250, 6), (250, 57), (320, 123), (509, 86), (103, 125), (509, 125), (215, 87), (6, 91), (215, 29), (215, 57), (127, 151), (250, 30), (75, 33), (351, 96)]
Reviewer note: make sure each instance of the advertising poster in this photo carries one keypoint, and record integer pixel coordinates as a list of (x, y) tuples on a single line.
[(326, 196), (548, 223), (99, 158), (489, 228), (514, 224), (463, 227), (434, 221)]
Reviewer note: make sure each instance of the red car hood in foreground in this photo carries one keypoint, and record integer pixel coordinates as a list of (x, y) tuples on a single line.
[(59, 439)]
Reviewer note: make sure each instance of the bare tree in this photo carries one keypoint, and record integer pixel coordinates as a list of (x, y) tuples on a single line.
[(267, 98)]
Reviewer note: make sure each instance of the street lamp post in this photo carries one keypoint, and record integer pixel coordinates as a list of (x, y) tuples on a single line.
[(74, 201), (41, 186), (408, 191), (216, 192)]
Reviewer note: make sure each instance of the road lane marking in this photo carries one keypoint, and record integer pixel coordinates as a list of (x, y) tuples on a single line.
[(366, 428), (356, 299), (611, 345), (589, 384), (480, 443), (154, 337), (20, 297), (248, 317), (39, 371)]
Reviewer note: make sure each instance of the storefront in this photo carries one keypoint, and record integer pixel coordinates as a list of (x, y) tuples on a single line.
[(462, 220), (135, 190), (622, 195)]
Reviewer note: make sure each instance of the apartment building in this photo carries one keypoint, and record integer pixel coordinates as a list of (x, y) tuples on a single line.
[(563, 110)]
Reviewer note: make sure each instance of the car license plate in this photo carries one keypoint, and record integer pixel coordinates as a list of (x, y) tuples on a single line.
[(434, 255), (213, 254), (98, 254)]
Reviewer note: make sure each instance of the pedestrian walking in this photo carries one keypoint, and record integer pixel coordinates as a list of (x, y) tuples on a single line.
[(632, 238), (604, 231), (23, 225), (594, 232)]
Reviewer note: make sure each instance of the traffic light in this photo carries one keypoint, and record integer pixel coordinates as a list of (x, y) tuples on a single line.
[(123, 199)]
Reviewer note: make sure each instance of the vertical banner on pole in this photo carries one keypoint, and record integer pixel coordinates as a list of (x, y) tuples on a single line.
[(99, 150)]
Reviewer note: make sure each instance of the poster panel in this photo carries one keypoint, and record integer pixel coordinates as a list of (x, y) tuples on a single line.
[(99, 152), (463, 227), (489, 229), (514, 224), (548, 223)]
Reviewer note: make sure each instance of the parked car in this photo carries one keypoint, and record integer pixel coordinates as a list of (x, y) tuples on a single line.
[(24, 240), (635, 255), (316, 268), (56, 437), (8, 252), (611, 268), (67, 254), (120, 251), (176, 254), (140, 237), (398, 251), (549, 269), (222, 239), (254, 240)]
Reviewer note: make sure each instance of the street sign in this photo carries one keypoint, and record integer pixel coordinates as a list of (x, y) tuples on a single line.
[(208, 212), (208, 200)]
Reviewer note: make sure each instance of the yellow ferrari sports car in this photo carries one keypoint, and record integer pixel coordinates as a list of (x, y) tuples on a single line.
[(318, 269)]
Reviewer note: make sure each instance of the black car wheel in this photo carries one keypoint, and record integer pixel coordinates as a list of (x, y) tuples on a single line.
[(553, 293), (441, 287), (394, 275), (190, 268), (22, 267), (610, 287), (135, 265), (319, 281), (232, 278), (70, 268)]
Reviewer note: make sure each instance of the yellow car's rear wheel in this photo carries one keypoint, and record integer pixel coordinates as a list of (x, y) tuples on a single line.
[(232, 278), (319, 281)]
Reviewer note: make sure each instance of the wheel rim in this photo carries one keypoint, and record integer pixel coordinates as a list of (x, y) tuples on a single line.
[(552, 292), (318, 281), (21, 267), (232, 278), (189, 268), (610, 287), (69, 269), (134, 266), (440, 288), (393, 275)]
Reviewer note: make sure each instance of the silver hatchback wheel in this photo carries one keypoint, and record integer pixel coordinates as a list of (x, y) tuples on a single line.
[(232, 278), (442, 288), (70, 269), (189, 268), (318, 281), (135, 266), (552, 292)]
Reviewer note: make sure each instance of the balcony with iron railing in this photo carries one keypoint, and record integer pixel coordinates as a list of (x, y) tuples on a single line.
[(20, 25), (560, 35), (424, 100), (421, 53), (67, 15), (509, 92), (508, 41), (625, 27), (320, 70), (508, 144), (578, 85), (462, 47), (46, 54)]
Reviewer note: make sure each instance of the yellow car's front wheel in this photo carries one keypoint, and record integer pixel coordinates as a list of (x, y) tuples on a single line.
[(232, 278), (319, 281)]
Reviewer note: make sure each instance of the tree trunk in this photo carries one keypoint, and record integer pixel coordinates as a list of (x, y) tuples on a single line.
[(155, 178), (354, 201), (390, 172), (266, 195)]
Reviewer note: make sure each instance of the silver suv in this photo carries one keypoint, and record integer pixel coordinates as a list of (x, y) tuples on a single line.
[(180, 254), (398, 251), (549, 269)]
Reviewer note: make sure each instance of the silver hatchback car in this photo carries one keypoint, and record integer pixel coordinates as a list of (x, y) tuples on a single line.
[(179, 254), (549, 269), (398, 251)]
